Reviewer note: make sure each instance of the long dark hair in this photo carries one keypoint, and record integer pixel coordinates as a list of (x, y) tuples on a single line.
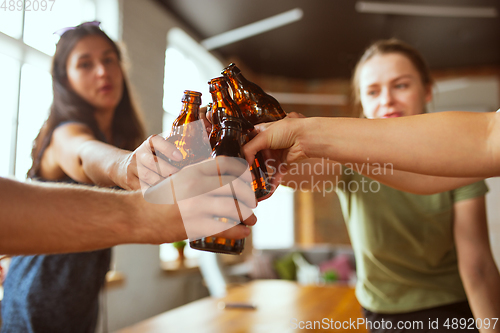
[(127, 127)]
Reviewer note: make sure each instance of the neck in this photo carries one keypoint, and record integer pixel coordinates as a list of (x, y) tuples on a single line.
[(104, 120)]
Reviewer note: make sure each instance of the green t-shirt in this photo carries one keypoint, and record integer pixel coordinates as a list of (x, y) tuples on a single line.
[(403, 243)]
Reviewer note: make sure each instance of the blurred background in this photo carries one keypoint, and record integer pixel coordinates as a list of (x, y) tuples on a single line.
[(302, 52)]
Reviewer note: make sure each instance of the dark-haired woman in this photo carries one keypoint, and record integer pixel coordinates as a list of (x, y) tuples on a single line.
[(88, 138), (92, 124)]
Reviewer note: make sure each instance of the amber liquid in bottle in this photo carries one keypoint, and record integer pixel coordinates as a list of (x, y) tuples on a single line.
[(188, 138), (255, 105), (223, 104), (213, 118), (228, 144)]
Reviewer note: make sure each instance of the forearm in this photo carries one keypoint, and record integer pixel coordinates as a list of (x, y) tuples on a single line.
[(417, 183), (54, 219), (483, 288), (305, 174), (459, 144), (476, 265), (100, 162)]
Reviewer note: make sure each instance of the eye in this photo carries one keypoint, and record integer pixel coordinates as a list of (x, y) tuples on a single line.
[(109, 60), (402, 85), (85, 65), (372, 93)]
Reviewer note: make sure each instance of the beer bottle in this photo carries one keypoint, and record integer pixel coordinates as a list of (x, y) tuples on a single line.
[(187, 134), (229, 139), (224, 106), (255, 105)]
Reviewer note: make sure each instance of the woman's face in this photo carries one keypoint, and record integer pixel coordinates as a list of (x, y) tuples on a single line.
[(95, 74), (390, 86)]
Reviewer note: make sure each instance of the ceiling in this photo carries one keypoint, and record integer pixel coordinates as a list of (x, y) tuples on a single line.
[(332, 35)]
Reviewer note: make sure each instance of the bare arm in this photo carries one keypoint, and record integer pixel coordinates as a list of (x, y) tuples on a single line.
[(417, 183), (453, 144), (74, 151), (310, 171), (54, 218), (477, 267)]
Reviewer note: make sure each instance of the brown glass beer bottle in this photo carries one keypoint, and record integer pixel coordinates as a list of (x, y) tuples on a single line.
[(186, 134), (224, 106), (255, 105), (229, 139)]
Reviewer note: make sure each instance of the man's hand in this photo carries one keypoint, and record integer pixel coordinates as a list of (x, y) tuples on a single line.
[(207, 191)]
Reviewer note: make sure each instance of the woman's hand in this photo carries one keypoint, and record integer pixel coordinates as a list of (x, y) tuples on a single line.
[(143, 167), (280, 142)]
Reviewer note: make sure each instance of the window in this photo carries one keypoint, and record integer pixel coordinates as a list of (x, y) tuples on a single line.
[(188, 66), (26, 46)]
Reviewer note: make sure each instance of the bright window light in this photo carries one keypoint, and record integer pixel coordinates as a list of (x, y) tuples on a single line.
[(274, 228), (40, 25), (9, 85), (36, 97), (11, 22)]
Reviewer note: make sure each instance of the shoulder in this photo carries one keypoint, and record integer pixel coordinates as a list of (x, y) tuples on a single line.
[(69, 130), (72, 127)]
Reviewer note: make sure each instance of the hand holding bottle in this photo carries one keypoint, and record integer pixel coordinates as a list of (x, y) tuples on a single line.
[(281, 143), (203, 191), (142, 168)]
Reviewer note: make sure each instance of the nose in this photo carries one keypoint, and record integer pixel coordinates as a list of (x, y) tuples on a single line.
[(101, 69), (386, 97)]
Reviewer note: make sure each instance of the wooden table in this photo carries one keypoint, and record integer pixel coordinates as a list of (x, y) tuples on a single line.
[(277, 304)]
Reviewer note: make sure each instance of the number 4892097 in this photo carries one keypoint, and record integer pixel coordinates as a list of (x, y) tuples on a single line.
[(27, 5)]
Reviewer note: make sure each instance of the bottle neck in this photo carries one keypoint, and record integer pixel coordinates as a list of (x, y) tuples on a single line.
[(224, 105), (191, 112), (237, 83)]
